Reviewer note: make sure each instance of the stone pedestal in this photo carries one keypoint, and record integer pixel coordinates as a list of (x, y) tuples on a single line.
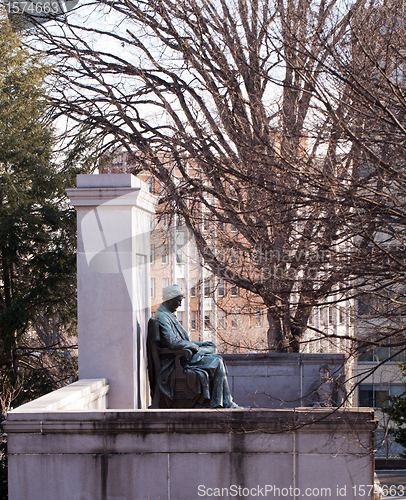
[(186, 454), (114, 217)]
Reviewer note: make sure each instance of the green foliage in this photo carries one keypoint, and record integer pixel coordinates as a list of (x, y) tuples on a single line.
[(37, 239), (37, 230), (37, 236), (396, 410)]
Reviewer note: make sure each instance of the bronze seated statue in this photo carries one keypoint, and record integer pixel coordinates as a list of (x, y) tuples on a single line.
[(183, 373)]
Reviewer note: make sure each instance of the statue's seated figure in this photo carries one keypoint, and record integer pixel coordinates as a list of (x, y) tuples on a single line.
[(327, 390), (206, 374)]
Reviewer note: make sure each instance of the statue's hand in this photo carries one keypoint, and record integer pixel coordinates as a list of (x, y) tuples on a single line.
[(193, 347), (208, 343)]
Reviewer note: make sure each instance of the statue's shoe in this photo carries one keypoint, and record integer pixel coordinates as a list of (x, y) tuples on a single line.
[(234, 406)]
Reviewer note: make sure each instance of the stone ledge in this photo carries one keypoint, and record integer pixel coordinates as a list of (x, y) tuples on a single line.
[(113, 197), (192, 421), (75, 396), (109, 181), (283, 358)]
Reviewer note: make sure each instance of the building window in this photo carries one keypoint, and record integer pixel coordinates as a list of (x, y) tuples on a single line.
[(181, 284), (222, 319), (207, 287), (331, 315), (258, 318), (151, 184), (152, 255), (233, 256), (193, 251), (377, 395), (387, 302), (194, 320), (152, 288), (383, 353), (341, 315), (234, 291), (322, 315), (164, 220), (364, 305), (179, 316), (221, 288), (372, 305), (164, 255), (165, 283), (234, 320), (193, 285), (179, 254), (233, 229), (207, 320), (311, 318), (206, 223), (367, 354)]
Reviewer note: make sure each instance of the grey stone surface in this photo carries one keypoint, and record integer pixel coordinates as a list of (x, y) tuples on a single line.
[(170, 454), (337, 476), (169, 443), (66, 444), (226, 471), (276, 380), (82, 395), (107, 181)]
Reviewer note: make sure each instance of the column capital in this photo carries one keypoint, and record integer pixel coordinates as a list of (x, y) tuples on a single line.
[(117, 190)]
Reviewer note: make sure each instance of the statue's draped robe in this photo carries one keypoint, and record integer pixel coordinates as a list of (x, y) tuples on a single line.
[(329, 393), (206, 372)]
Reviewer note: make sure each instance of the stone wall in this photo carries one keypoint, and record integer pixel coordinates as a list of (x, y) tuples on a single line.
[(188, 454), (276, 380)]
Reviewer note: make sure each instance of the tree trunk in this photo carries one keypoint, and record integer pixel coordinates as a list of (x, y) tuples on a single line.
[(8, 341), (280, 338)]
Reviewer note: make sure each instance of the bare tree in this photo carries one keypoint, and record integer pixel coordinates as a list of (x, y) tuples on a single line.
[(373, 72), (254, 117)]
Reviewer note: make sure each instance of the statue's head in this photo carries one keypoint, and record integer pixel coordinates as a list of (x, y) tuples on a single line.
[(172, 297), (324, 370)]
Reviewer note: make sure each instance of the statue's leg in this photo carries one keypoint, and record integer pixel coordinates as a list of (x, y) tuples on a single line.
[(220, 395)]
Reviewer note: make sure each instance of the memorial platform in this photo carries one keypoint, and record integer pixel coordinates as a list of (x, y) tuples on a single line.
[(61, 448)]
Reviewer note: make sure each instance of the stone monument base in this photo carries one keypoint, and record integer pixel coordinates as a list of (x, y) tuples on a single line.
[(59, 452)]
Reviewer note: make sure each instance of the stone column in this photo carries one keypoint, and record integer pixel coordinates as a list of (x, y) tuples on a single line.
[(113, 219)]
